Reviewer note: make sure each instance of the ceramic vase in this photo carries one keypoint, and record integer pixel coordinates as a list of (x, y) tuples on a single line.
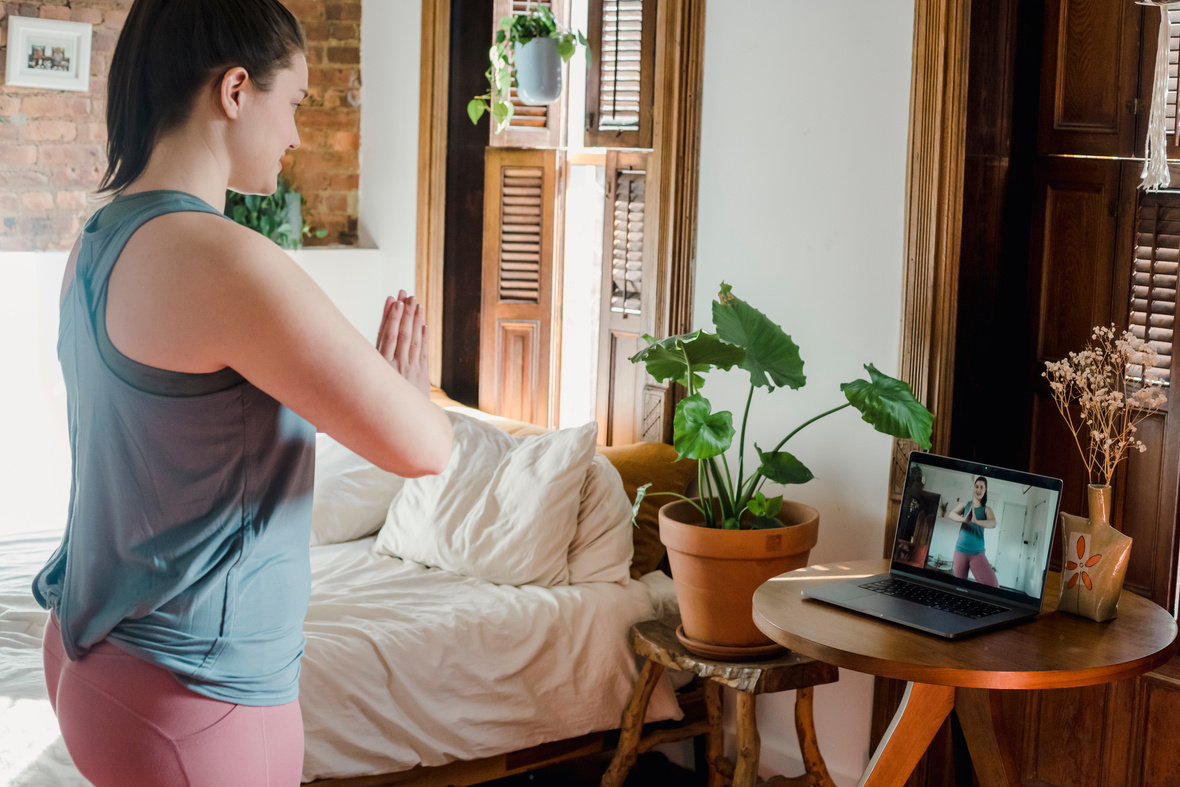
[(716, 572), (538, 71), (1094, 559)]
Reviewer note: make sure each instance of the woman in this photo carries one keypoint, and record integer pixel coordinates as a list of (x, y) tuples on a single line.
[(969, 552), (199, 362)]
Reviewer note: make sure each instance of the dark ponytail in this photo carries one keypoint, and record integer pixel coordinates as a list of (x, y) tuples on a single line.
[(168, 51)]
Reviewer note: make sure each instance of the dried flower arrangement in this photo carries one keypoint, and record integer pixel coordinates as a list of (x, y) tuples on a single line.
[(1097, 380)]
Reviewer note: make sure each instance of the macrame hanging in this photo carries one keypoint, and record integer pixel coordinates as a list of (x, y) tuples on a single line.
[(1155, 166)]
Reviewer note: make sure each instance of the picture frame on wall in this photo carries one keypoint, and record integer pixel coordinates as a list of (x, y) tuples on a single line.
[(48, 53)]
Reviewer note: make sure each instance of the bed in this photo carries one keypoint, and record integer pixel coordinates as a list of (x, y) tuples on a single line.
[(409, 668)]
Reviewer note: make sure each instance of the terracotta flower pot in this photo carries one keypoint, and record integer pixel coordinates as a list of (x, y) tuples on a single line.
[(717, 571)]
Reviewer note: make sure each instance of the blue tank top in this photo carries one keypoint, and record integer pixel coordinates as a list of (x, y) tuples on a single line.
[(187, 537), (970, 535)]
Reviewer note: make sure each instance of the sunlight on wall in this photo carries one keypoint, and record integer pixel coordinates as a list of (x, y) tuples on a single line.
[(580, 295), (35, 460)]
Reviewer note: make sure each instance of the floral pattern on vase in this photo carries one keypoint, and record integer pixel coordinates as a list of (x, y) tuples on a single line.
[(1094, 565), (1076, 569)]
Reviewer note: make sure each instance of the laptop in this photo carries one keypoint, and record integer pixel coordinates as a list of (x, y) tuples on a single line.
[(962, 562)]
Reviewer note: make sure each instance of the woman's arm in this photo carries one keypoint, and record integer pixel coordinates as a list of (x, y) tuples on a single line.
[(957, 514), (193, 292), (991, 518)]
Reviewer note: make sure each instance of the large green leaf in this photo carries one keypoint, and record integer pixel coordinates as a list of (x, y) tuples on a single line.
[(889, 405), (782, 467), (770, 353), (698, 432), (675, 357)]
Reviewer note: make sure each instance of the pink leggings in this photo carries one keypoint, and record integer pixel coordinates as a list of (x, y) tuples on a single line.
[(126, 722), (980, 568)]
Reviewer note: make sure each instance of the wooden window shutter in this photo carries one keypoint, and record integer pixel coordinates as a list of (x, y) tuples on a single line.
[(531, 127), (521, 284), (629, 409), (1153, 278), (621, 79)]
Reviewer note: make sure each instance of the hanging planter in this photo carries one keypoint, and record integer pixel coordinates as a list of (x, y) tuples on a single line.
[(538, 72), (529, 49)]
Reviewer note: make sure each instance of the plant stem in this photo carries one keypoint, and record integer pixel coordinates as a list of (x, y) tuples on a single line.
[(688, 500), (742, 442), (707, 493), (724, 495), (801, 426)]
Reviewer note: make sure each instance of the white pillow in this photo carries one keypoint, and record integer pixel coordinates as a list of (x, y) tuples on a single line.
[(351, 494), (603, 545), (504, 509)]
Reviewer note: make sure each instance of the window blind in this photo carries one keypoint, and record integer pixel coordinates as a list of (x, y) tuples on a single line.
[(627, 243), (622, 44), (620, 83), (1153, 279), (1170, 116), (521, 190)]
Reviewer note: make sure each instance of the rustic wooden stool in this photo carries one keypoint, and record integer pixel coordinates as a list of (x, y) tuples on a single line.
[(656, 641)]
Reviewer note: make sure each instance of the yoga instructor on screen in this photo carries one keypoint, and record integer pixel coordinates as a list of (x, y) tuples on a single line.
[(969, 548)]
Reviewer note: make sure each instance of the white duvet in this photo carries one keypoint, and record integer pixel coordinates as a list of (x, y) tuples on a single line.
[(404, 665), (407, 665)]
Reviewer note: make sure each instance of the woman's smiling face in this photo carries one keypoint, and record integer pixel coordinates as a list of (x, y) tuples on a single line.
[(980, 490)]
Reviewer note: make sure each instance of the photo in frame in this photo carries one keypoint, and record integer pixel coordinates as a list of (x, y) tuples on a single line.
[(48, 53)]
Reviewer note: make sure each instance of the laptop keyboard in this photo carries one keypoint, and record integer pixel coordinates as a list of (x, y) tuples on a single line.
[(937, 599)]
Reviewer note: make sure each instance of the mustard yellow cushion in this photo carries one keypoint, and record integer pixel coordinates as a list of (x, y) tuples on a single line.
[(657, 464)]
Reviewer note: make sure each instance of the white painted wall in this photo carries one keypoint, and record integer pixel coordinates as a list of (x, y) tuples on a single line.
[(803, 143), (391, 43)]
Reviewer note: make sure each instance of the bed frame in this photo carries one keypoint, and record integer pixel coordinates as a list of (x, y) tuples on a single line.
[(464, 773)]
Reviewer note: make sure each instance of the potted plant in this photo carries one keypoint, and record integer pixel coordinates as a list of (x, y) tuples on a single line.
[(725, 543), (278, 216), (529, 47)]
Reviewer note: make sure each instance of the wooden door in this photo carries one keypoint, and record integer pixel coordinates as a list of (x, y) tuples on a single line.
[(1089, 78), (520, 313)]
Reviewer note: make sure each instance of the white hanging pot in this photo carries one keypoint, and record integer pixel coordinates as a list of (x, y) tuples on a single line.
[(538, 71)]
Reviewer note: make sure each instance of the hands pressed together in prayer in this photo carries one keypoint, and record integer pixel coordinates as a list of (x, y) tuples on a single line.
[(404, 340)]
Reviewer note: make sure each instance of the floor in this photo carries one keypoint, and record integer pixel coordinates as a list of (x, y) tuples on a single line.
[(652, 769)]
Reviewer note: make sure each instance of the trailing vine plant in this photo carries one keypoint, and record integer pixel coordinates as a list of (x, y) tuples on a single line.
[(537, 22)]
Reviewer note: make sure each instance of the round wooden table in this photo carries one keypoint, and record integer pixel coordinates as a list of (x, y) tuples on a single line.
[(1056, 650)]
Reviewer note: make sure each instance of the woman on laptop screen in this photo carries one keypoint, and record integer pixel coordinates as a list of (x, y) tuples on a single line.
[(969, 548)]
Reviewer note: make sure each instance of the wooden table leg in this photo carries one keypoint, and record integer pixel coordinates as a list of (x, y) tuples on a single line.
[(808, 741), (749, 744), (980, 714), (924, 707), (715, 738), (632, 728)]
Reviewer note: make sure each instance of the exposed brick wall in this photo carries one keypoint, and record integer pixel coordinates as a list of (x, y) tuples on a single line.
[(52, 143), (326, 167)]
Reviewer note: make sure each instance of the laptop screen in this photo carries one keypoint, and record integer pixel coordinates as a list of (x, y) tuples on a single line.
[(978, 527)]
